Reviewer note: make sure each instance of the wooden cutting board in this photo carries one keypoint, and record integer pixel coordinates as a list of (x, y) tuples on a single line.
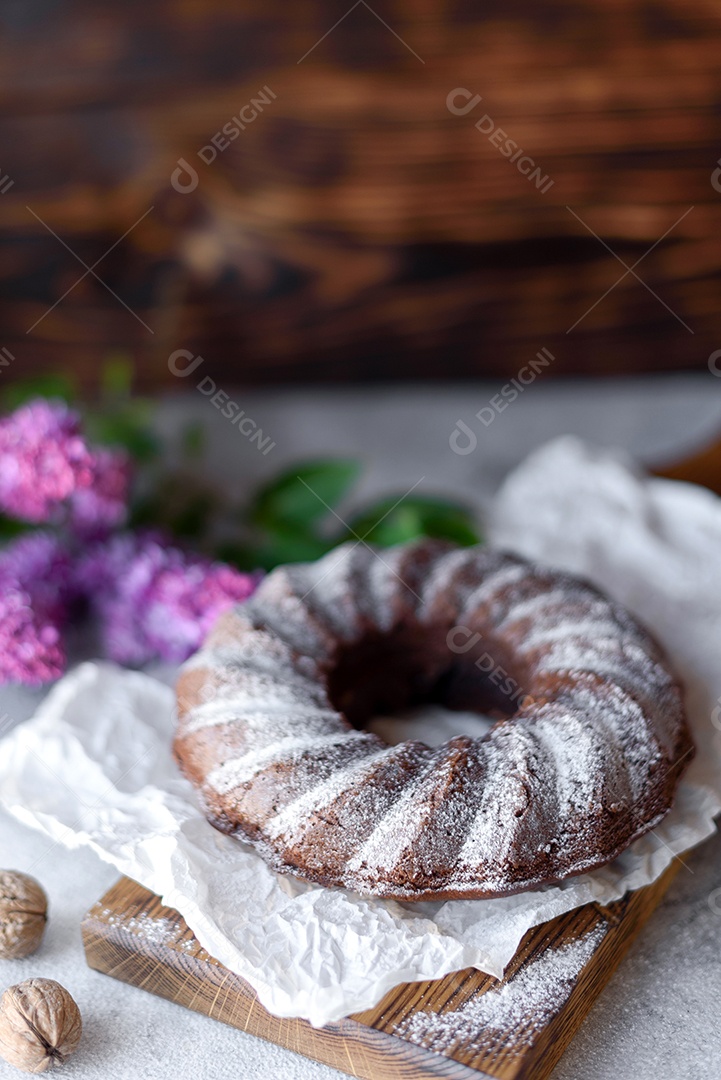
[(463, 1025)]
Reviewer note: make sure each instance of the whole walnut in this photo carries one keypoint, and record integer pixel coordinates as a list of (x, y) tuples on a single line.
[(23, 914), (40, 1025)]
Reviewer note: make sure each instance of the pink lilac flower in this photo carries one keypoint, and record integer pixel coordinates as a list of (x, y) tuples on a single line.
[(45, 463), (102, 505), (36, 593), (154, 600), (151, 599), (43, 460)]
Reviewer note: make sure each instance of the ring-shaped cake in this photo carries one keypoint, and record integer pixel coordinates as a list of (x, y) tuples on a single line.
[(585, 754)]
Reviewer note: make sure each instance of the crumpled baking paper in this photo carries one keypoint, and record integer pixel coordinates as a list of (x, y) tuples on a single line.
[(93, 766)]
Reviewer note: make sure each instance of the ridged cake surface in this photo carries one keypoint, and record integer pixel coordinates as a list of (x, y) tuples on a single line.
[(588, 745)]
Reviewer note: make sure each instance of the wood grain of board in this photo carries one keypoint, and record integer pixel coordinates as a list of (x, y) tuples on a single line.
[(463, 1025)]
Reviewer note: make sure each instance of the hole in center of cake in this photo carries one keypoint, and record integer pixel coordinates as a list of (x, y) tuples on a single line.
[(433, 725), (425, 683)]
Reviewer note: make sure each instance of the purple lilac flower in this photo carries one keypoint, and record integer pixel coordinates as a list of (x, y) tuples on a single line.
[(102, 505), (151, 599), (36, 592), (43, 460), (155, 600)]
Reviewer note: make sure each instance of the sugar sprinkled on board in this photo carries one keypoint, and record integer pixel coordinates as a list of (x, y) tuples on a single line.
[(153, 929), (508, 1015)]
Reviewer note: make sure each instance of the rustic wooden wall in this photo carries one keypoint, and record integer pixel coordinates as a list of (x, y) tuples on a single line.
[(357, 228)]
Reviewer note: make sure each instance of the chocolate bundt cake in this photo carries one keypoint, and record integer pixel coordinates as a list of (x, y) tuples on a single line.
[(585, 755)]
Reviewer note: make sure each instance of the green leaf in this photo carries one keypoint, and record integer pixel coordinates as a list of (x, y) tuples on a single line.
[(275, 549), (178, 504), (9, 528), (303, 496), (192, 519), (116, 380), (193, 440), (129, 427), (47, 386), (389, 522)]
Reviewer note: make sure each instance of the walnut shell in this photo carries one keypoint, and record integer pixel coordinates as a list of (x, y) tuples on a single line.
[(23, 914), (40, 1025)]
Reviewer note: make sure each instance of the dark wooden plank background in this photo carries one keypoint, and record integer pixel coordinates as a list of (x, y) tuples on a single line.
[(357, 228)]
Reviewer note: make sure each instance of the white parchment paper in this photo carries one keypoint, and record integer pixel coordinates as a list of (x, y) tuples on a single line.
[(93, 766)]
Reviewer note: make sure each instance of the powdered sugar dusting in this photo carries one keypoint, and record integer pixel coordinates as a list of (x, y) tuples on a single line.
[(456, 574), (544, 631), (399, 826), (294, 820), (152, 929), (510, 1016), (623, 726), (577, 751), (245, 690), (271, 688), (264, 724), (259, 649), (329, 584), (231, 774), (289, 619), (533, 607), (589, 745), (496, 582), (385, 588), (503, 799)]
